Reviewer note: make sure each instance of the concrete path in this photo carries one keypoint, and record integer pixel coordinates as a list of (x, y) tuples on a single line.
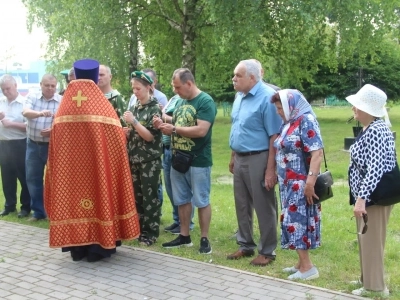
[(29, 269)]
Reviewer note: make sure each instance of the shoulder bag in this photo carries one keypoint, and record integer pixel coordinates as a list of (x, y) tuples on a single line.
[(324, 182), (182, 160), (387, 191)]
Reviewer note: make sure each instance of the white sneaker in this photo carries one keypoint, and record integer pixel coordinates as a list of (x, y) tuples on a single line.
[(362, 291), (356, 282), (310, 274), (290, 270)]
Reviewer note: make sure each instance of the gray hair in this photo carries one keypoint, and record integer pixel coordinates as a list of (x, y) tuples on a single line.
[(71, 72), (7, 78), (253, 67), (108, 69), (152, 72)]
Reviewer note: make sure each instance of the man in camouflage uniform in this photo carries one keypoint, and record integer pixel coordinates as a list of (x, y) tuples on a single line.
[(115, 98), (145, 150)]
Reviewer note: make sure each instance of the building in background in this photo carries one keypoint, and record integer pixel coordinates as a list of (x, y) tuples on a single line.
[(27, 76)]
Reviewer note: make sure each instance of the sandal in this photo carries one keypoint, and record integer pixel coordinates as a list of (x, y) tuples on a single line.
[(145, 241)]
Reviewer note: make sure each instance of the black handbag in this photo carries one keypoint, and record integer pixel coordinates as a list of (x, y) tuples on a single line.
[(182, 161), (387, 191), (323, 184)]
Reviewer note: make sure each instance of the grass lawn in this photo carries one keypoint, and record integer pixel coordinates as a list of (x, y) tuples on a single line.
[(337, 258)]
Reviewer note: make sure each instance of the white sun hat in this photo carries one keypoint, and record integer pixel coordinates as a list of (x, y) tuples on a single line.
[(370, 99)]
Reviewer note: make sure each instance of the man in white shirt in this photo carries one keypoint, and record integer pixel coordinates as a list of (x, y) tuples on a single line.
[(13, 147)]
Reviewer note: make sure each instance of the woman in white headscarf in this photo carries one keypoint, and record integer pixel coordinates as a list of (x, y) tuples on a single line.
[(298, 158), (372, 154)]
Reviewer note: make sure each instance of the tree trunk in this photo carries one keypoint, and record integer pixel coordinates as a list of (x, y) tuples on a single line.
[(189, 35), (133, 45)]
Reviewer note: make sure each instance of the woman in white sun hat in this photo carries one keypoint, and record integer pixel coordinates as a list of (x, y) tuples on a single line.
[(372, 154)]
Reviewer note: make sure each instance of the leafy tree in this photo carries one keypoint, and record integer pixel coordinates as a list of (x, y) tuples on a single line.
[(293, 39)]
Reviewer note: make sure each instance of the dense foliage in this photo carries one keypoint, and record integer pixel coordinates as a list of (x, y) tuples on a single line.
[(299, 42)]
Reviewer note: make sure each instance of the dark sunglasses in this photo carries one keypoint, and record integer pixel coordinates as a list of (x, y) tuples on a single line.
[(365, 228)]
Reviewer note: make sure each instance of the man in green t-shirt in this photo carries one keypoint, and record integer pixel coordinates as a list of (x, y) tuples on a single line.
[(190, 132)]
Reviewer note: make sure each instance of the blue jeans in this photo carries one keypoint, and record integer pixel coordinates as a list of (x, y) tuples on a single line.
[(166, 162), (36, 159)]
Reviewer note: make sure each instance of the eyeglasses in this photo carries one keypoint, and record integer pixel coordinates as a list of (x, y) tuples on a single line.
[(365, 228)]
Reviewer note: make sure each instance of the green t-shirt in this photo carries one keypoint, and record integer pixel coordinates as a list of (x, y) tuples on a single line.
[(139, 150), (186, 114)]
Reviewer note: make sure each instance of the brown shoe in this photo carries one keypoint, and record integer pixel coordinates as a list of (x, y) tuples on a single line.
[(240, 253), (261, 261)]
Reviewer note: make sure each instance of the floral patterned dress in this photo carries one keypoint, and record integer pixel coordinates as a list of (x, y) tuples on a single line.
[(300, 222)]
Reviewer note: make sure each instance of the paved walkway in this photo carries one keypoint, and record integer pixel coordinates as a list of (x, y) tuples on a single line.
[(29, 269)]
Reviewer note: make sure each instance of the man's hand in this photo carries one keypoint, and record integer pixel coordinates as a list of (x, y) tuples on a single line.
[(46, 113), (157, 122), (2, 115), (270, 179), (6, 122), (166, 128), (45, 132)]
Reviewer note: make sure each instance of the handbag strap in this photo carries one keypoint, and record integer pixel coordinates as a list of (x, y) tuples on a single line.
[(198, 150), (304, 157)]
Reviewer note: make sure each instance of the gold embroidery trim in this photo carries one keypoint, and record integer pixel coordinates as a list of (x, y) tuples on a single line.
[(87, 118), (93, 220)]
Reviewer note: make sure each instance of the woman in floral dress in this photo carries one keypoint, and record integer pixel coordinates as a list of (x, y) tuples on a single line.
[(298, 158)]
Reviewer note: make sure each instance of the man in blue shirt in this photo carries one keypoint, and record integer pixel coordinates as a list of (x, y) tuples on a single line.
[(255, 126)]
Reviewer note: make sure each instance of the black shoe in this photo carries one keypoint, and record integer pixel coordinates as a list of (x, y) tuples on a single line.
[(6, 212), (176, 230), (179, 241), (171, 227), (23, 214), (78, 255), (205, 247), (93, 257)]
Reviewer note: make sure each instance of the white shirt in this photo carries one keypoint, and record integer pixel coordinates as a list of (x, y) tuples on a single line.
[(13, 112)]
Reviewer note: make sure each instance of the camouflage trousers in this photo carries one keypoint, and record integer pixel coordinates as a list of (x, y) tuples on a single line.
[(146, 179)]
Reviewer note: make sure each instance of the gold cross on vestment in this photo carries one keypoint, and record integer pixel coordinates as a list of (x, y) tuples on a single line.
[(79, 98)]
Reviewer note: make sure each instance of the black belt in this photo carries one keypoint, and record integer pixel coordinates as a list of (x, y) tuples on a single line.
[(38, 143), (250, 153), (166, 146)]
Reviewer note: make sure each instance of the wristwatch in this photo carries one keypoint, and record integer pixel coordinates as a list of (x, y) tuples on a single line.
[(174, 129), (310, 173)]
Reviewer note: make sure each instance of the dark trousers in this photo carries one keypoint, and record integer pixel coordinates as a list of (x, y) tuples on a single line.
[(12, 162)]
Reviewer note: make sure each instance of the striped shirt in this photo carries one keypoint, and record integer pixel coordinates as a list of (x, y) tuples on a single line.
[(38, 103)]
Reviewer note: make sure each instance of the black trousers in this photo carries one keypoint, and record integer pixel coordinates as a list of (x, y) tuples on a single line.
[(12, 163)]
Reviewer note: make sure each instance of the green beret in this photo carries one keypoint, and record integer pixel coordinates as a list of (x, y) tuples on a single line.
[(141, 75), (64, 72)]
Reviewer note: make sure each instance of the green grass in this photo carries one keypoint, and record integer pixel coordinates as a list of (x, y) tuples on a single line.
[(337, 258)]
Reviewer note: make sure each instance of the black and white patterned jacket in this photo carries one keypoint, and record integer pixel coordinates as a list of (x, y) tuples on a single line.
[(371, 155)]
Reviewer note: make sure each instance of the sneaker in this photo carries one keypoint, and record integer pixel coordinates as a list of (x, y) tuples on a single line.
[(205, 247), (178, 242), (356, 282), (176, 230), (290, 270), (308, 275), (363, 292), (171, 227)]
